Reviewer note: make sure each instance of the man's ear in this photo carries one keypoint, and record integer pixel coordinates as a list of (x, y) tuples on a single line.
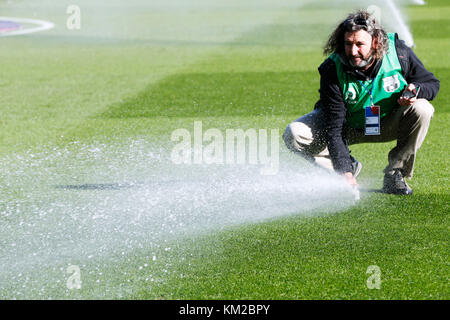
[(375, 43)]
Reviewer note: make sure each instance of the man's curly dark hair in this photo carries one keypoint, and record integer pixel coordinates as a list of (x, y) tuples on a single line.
[(360, 20)]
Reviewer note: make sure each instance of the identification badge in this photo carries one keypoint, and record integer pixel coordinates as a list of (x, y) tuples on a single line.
[(372, 121)]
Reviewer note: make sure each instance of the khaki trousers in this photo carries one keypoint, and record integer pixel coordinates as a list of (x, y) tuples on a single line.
[(408, 125)]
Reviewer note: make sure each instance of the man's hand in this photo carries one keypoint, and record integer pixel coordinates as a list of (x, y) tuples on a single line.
[(403, 101), (350, 179)]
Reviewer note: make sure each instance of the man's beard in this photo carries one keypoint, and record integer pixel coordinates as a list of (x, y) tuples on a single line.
[(364, 62)]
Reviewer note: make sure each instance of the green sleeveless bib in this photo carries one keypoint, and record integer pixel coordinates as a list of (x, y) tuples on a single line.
[(387, 87)]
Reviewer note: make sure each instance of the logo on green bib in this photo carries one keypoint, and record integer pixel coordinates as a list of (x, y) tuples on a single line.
[(350, 96), (391, 84)]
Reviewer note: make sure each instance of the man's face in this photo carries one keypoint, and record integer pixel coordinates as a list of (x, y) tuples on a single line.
[(359, 47)]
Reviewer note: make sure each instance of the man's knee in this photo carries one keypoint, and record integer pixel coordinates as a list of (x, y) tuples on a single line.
[(288, 137), (297, 136), (422, 109)]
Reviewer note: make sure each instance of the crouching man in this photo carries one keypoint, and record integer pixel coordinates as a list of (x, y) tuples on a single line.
[(373, 88)]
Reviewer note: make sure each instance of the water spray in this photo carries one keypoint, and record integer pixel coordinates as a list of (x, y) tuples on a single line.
[(400, 25), (355, 192), (93, 202)]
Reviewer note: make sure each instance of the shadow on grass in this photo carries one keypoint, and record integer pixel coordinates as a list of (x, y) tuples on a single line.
[(371, 190), (431, 29), (223, 94)]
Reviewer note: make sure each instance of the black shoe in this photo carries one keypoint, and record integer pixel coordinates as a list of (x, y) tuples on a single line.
[(356, 167), (395, 183)]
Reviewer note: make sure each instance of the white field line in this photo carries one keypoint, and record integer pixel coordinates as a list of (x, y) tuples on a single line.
[(41, 26)]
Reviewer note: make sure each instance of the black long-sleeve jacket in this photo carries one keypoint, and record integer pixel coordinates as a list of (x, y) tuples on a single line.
[(332, 101)]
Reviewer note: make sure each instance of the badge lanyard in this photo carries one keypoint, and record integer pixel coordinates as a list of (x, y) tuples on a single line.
[(372, 112), (368, 91)]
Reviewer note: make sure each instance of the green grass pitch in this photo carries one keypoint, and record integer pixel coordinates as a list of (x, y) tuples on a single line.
[(139, 72)]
